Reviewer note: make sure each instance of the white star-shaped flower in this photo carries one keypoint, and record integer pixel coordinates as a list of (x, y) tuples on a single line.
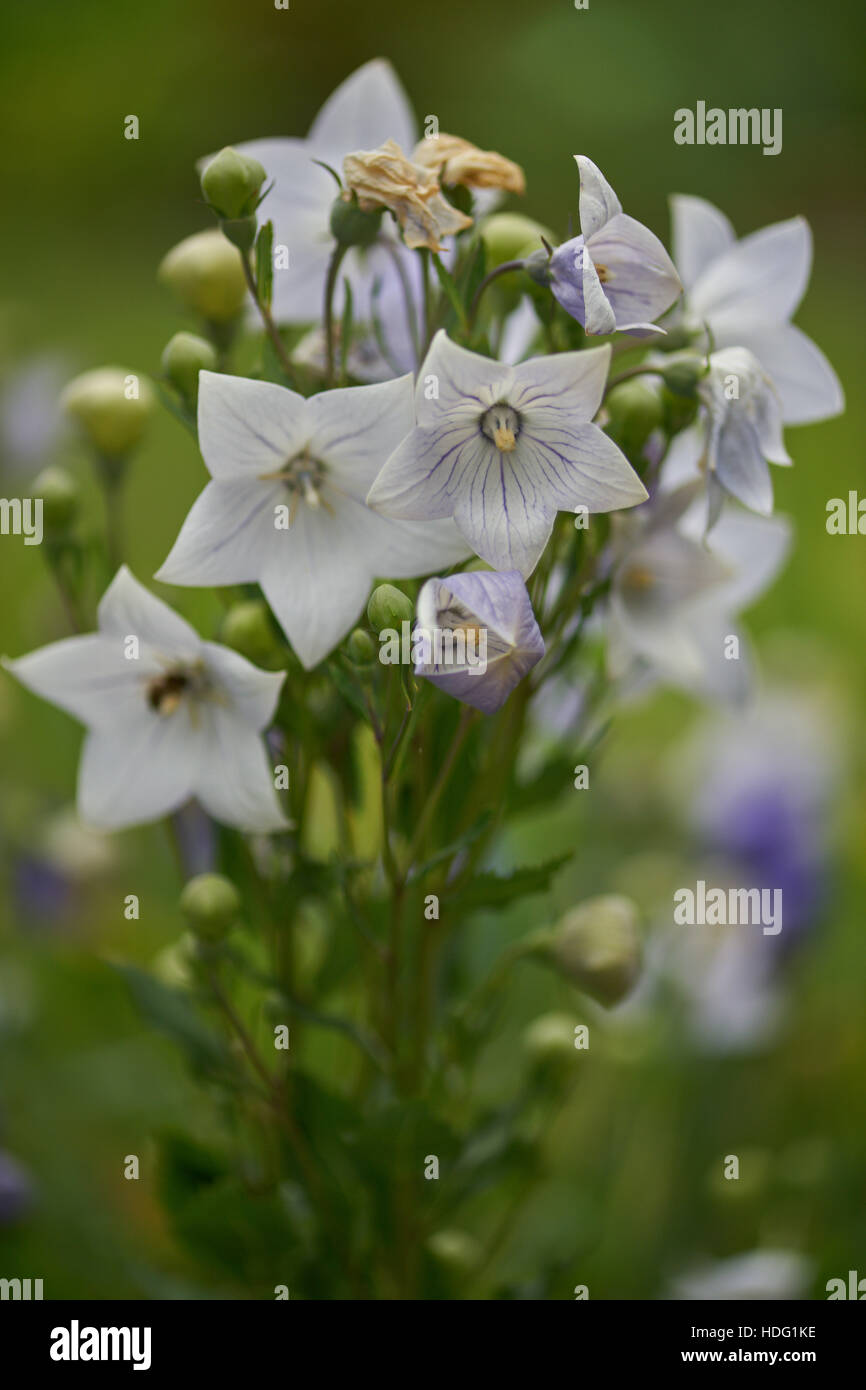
[(168, 716), (502, 449), (285, 507), (747, 292)]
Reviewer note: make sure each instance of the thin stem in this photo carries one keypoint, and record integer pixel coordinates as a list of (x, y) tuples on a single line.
[(330, 285), (467, 719), (627, 375), (267, 319), (411, 315), (491, 275)]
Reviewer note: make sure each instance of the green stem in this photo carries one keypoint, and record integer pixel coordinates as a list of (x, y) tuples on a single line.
[(627, 375), (494, 274), (267, 319), (330, 285)]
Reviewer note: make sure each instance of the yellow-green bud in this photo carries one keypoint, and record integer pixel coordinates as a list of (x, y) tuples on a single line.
[(634, 410), (184, 356), (360, 648), (59, 493), (247, 629), (111, 407), (597, 947), (351, 225), (509, 236), (231, 183), (550, 1038), (211, 905), (206, 273), (456, 1251), (388, 608)]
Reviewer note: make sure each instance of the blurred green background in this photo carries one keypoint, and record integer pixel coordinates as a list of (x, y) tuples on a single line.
[(87, 217)]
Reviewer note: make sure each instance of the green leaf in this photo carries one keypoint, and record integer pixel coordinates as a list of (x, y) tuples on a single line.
[(493, 890), (449, 289), (170, 1011), (265, 263), (455, 847)]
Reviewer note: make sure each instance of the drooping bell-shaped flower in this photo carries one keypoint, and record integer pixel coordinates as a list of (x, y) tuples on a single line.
[(477, 636), (616, 276)]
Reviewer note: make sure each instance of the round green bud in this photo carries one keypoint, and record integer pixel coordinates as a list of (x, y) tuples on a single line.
[(509, 236), (683, 375), (360, 648), (211, 905), (537, 267), (206, 274), (111, 407), (59, 493), (597, 947), (231, 183), (247, 629), (456, 1251), (634, 410), (550, 1038), (184, 356), (351, 225), (388, 608)]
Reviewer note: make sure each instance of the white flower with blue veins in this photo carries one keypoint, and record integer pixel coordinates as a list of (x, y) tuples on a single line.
[(285, 505), (168, 716), (502, 449), (616, 276), (746, 293)]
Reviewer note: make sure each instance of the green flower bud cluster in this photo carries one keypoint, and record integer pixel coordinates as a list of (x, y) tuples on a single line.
[(111, 408), (206, 274), (597, 947), (211, 905), (184, 356)]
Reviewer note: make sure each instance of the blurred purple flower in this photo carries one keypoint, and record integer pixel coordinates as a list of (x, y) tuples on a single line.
[(16, 1190)]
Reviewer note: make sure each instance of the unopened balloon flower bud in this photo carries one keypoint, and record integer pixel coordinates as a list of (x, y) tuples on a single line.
[(231, 183), (247, 628), (60, 497), (206, 274), (683, 375), (634, 410), (111, 407), (388, 608), (353, 225), (360, 648), (549, 1039), (456, 1251), (597, 947), (211, 905), (509, 236), (184, 356)]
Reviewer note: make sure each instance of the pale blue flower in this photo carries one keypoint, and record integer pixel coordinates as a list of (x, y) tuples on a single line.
[(491, 614), (746, 292), (616, 276), (502, 449)]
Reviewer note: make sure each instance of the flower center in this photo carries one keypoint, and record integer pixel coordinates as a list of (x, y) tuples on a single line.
[(304, 477), (638, 578), (166, 692), (501, 424), (602, 272)]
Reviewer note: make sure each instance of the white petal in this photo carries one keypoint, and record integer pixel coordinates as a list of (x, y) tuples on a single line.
[(235, 781), (683, 456), (519, 332), (642, 281), (409, 549), (566, 467), (561, 389), (701, 233), (759, 280), (317, 579), (353, 431), (251, 693), (86, 676), (598, 313), (755, 549), (598, 202), (502, 514), (138, 771), (467, 383), (222, 539), (425, 474), (367, 109), (807, 385), (248, 427), (739, 464), (127, 609)]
